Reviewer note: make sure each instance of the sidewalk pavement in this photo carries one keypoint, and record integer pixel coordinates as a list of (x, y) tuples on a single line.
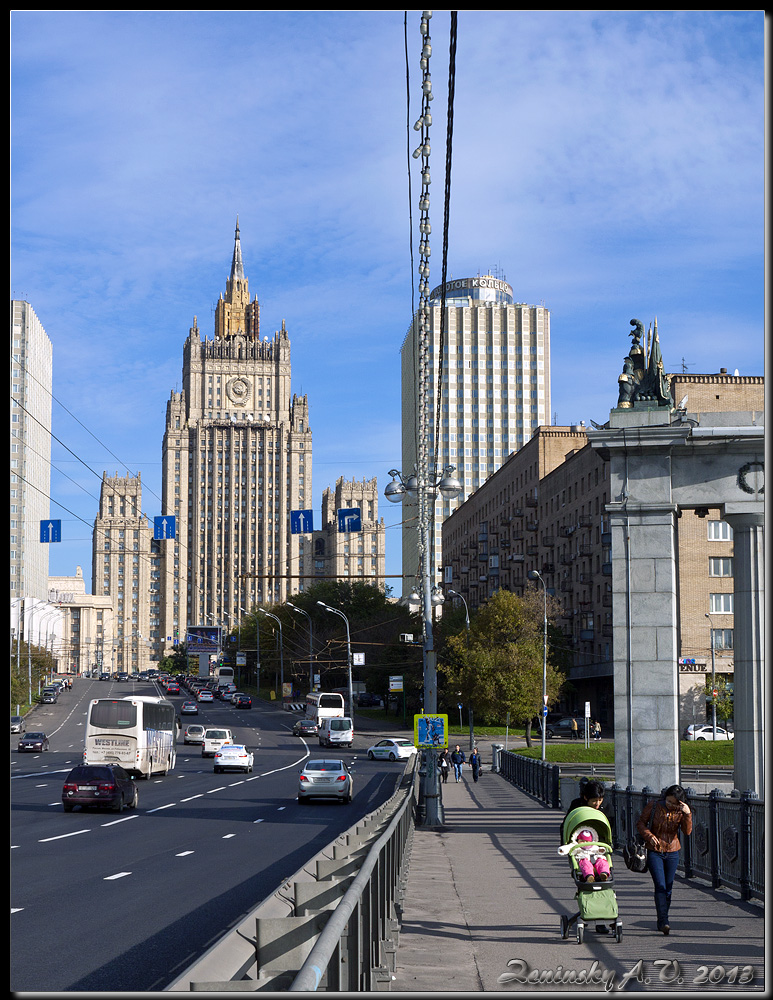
[(485, 893)]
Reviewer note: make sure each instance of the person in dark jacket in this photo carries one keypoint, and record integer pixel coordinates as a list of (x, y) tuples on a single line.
[(659, 826), (458, 759), (442, 763), (475, 763), (591, 794)]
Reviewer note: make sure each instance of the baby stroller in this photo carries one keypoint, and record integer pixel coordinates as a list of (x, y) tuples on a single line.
[(596, 899)]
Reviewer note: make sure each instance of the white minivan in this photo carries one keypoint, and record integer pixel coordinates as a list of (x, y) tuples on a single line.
[(335, 732), (214, 739)]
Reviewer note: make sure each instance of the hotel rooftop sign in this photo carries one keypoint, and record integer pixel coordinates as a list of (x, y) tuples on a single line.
[(483, 287)]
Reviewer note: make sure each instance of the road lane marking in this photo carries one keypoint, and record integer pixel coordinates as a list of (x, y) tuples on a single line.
[(183, 854), (61, 836), (192, 797), (220, 789), (159, 808), (122, 820), (110, 878), (228, 836)]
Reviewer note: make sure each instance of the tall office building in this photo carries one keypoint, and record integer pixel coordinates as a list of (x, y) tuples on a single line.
[(494, 369), (125, 566), (236, 460), (351, 556), (31, 371)]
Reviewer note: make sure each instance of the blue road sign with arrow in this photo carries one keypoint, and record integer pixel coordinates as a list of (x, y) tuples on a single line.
[(164, 526), (50, 531), (301, 522), (349, 519)]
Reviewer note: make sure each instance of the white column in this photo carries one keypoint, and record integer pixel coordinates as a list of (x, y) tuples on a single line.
[(748, 645)]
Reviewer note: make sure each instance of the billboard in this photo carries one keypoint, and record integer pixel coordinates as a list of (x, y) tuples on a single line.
[(203, 638)]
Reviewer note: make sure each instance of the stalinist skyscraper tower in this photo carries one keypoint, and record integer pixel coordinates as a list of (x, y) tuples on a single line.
[(236, 461)]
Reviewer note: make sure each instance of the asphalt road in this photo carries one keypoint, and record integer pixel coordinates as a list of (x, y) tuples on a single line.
[(105, 901)]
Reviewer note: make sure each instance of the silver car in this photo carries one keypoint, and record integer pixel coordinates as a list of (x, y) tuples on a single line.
[(325, 779)]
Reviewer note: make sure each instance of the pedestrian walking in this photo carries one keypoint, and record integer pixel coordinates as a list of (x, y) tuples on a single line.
[(597, 730), (475, 763), (575, 734), (458, 760), (443, 765), (659, 826)]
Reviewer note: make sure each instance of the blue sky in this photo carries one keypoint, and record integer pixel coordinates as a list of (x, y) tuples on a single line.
[(610, 165)]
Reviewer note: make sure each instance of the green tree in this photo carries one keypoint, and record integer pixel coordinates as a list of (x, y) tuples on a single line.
[(724, 697), (375, 624), (497, 666)]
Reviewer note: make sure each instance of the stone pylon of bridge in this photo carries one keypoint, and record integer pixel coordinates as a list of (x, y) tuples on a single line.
[(664, 464)]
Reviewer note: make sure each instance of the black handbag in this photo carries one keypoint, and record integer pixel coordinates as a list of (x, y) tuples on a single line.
[(635, 851), (635, 855)]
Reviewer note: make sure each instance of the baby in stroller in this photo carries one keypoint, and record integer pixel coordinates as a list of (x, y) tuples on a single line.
[(591, 860), (587, 844)]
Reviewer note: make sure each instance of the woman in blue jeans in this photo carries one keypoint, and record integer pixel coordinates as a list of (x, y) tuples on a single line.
[(659, 825)]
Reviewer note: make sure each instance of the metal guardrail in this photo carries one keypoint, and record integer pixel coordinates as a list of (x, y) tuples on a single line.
[(333, 925), (538, 778), (726, 844)]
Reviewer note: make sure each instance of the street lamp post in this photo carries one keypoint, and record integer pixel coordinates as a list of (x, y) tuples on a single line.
[(281, 651), (335, 611), (426, 492), (454, 593), (311, 641), (713, 683), (534, 575)]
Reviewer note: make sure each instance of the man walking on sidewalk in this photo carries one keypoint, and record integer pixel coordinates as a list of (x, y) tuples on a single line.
[(458, 759)]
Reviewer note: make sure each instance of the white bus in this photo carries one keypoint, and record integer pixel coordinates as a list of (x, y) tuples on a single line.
[(139, 733), (224, 676), (324, 705)]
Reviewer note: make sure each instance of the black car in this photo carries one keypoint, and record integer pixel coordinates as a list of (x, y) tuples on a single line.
[(50, 696), (242, 701), (33, 741), (305, 727), (564, 728), (106, 786)]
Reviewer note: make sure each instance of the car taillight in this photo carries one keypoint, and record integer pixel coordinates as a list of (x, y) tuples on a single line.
[(304, 778), (341, 777), (106, 786), (70, 787)]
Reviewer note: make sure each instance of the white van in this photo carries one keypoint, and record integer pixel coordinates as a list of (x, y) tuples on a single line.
[(335, 732), (214, 738)]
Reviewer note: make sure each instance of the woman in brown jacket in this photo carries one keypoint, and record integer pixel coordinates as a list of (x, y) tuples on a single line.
[(659, 826)]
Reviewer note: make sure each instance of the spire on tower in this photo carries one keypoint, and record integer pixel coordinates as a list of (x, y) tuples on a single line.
[(237, 267)]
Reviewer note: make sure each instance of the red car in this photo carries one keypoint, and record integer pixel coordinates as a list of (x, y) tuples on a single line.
[(106, 786)]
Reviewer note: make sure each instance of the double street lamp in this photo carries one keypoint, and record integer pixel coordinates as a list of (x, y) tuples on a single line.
[(311, 641), (335, 611), (281, 652), (421, 486)]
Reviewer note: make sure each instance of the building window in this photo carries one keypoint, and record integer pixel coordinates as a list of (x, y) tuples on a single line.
[(720, 567), (720, 531), (722, 638), (721, 604)]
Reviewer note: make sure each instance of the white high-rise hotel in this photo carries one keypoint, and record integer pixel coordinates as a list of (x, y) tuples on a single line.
[(494, 391)]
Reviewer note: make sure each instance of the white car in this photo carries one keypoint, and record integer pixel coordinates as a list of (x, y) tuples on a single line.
[(232, 757), (707, 733), (214, 739), (393, 749), (205, 695)]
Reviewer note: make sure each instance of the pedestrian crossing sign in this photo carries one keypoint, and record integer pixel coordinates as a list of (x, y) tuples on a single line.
[(430, 731)]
